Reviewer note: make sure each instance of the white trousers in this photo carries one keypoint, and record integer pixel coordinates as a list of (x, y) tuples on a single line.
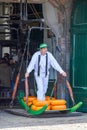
[(42, 85)]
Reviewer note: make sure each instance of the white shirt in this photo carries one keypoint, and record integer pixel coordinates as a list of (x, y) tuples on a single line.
[(33, 65)]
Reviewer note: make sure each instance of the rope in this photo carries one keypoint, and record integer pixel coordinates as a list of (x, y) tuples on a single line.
[(26, 79), (34, 11)]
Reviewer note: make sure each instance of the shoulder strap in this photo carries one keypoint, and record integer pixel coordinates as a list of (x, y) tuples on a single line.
[(46, 64), (38, 65)]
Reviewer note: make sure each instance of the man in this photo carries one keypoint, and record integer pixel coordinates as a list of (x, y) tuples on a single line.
[(41, 62), (5, 73)]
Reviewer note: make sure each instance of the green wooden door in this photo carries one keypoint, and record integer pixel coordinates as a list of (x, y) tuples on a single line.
[(79, 52)]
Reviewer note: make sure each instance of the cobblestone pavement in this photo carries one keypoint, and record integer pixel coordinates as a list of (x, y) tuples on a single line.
[(13, 122)]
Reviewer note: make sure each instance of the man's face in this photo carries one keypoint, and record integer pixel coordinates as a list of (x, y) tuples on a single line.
[(43, 51)]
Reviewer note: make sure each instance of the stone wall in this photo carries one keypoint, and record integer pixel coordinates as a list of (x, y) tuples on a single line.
[(64, 8)]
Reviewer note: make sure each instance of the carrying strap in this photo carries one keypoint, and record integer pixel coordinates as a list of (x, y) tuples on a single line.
[(39, 65), (46, 64)]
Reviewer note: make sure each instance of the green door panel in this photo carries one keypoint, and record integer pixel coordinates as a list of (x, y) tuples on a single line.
[(79, 62), (78, 66), (79, 13)]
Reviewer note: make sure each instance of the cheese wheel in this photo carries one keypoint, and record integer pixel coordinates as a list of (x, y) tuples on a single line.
[(40, 103), (38, 108), (58, 102), (48, 108), (60, 107), (33, 107), (29, 103), (49, 98), (30, 98)]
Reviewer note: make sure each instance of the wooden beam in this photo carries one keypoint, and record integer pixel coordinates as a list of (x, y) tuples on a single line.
[(29, 1), (54, 3), (37, 1)]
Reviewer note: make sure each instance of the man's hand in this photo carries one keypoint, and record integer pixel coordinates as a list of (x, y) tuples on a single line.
[(26, 75), (64, 74)]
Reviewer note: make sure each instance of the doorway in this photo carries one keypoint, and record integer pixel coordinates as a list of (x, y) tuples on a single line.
[(79, 52)]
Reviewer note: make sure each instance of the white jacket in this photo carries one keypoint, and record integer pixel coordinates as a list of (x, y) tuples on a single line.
[(33, 65)]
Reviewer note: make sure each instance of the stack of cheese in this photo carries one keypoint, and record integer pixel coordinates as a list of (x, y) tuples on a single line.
[(58, 104), (53, 104), (37, 104)]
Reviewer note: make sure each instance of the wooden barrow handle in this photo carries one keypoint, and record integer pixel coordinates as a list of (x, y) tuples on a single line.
[(70, 91)]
